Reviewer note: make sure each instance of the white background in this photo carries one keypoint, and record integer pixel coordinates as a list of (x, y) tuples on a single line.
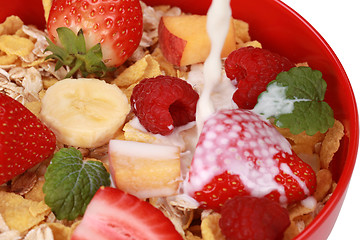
[(338, 21)]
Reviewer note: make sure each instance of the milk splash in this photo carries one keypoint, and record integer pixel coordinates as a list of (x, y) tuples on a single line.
[(218, 21)]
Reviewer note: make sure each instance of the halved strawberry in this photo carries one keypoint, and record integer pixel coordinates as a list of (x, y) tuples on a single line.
[(116, 25), (24, 140), (114, 214), (238, 153)]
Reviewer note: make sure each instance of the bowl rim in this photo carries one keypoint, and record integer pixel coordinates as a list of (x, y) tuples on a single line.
[(342, 185), (353, 144)]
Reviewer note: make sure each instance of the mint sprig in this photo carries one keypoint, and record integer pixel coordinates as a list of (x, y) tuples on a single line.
[(70, 183), (74, 54), (295, 100)]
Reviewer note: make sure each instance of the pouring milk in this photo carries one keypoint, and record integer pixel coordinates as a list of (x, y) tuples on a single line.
[(218, 20)]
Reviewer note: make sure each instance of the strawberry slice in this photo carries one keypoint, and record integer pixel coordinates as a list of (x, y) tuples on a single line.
[(24, 140), (114, 214), (116, 25), (238, 153)]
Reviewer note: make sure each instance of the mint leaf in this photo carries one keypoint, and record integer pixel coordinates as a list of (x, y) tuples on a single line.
[(70, 183), (303, 83), (296, 101), (309, 116)]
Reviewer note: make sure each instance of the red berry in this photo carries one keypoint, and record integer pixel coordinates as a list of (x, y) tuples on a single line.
[(116, 25), (238, 153), (253, 68), (114, 214), (164, 102), (24, 140), (251, 218)]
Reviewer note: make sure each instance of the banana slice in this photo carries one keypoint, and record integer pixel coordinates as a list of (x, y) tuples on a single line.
[(84, 112)]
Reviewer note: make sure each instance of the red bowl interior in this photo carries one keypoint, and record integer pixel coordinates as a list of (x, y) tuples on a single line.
[(280, 29)]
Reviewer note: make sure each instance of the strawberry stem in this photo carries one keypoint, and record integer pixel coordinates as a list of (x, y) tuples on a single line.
[(75, 68)]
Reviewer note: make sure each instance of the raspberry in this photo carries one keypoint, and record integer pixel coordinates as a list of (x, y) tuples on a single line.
[(164, 102), (251, 218), (253, 68)]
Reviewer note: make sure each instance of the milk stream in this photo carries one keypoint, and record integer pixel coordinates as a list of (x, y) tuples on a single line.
[(218, 20)]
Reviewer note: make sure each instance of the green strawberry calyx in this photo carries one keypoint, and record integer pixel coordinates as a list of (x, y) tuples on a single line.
[(74, 54)]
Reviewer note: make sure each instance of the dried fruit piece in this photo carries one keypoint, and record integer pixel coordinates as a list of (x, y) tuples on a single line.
[(143, 169)]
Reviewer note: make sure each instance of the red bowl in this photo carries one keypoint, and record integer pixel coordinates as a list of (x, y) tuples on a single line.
[(281, 29)]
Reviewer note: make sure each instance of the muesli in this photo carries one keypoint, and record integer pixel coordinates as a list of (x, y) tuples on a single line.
[(104, 131)]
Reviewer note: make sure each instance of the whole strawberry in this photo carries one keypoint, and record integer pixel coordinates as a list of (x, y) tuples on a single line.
[(163, 103), (252, 69), (251, 218), (24, 140), (238, 153), (116, 25)]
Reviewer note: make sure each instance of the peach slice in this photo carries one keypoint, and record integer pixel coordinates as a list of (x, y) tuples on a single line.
[(184, 40), (143, 169)]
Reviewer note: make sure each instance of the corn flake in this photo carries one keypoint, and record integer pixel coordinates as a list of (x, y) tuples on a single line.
[(34, 107), (331, 144), (165, 65), (21, 214), (8, 59), (128, 91), (47, 5), (210, 229), (60, 231), (255, 44), (297, 210), (292, 231), (15, 45), (146, 67), (302, 139), (324, 184), (48, 82), (34, 63), (11, 25), (241, 30)]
